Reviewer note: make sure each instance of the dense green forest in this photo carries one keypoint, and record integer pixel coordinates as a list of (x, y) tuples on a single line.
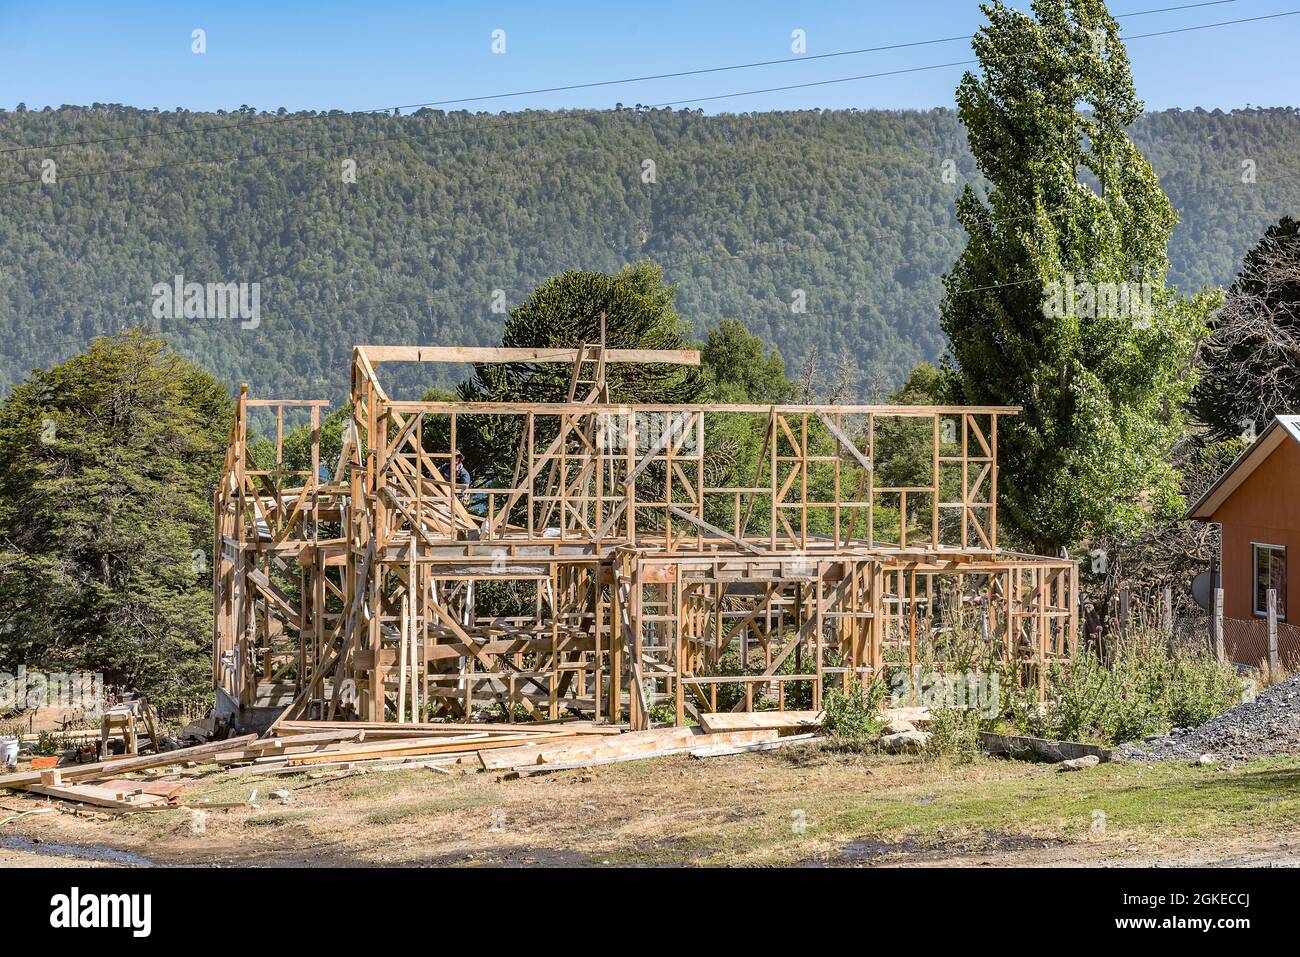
[(453, 217)]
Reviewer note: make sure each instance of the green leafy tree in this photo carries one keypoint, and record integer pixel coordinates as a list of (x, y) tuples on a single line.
[(107, 466), (740, 368), (1059, 302), (904, 456), (566, 311)]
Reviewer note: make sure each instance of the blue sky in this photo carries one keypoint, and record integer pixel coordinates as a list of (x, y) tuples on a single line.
[(358, 55)]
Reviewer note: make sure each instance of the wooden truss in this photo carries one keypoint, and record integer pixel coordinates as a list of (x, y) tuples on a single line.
[(650, 586)]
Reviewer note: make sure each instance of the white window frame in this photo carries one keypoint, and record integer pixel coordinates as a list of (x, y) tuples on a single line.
[(1255, 548)]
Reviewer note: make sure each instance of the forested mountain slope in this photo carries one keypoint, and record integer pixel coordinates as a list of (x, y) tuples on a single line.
[(454, 215)]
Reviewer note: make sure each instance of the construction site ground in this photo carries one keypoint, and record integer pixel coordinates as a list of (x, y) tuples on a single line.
[(809, 805)]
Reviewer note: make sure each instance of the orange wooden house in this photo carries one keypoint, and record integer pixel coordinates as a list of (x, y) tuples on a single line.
[(1256, 506)]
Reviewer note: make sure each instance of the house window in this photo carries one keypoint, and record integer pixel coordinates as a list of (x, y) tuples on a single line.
[(1270, 572)]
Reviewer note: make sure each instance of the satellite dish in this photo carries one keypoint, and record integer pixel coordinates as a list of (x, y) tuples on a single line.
[(1203, 589)]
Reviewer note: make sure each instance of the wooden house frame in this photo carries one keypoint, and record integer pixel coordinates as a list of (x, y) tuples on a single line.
[(651, 589)]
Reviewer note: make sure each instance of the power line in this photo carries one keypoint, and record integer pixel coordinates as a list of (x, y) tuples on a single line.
[(697, 257), (510, 123), (298, 117), (1189, 6)]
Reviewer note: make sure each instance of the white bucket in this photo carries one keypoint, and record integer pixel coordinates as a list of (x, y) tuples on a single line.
[(8, 752)]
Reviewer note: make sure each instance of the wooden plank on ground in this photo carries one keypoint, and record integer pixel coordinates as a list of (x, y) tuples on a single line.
[(167, 789), (717, 751), (310, 739), (466, 744), (597, 762), (88, 772), (372, 764), (635, 744), (430, 728), (100, 797), (753, 720), (917, 716)]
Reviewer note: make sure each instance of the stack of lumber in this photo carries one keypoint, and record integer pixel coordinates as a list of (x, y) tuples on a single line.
[(518, 749), (103, 786), (758, 731), (320, 744), (633, 746), (528, 748)]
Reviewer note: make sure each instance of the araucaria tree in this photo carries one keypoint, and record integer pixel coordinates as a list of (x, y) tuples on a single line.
[(1059, 303), (1250, 363), (633, 310)]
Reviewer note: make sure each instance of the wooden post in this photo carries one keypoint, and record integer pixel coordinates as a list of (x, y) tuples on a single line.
[(414, 631), (616, 639), (1072, 602), (1272, 632), (877, 615), (403, 653), (1216, 626), (598, 672), (1041, 625), (911, 636), (819, 612), (639, 717)]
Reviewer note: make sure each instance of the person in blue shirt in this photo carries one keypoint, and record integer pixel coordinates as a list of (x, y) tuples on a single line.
[(461, 473), (462, 481)]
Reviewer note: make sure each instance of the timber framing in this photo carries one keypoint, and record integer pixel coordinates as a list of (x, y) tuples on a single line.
[(643, 579)]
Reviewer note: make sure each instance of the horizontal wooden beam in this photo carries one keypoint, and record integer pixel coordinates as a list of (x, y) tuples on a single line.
[(592, 408), (378, 354), (295, 403)]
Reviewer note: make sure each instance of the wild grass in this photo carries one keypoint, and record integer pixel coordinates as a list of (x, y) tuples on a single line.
[(1146, 684), (1267, 677), (1144, 689), (955, 734), (853, 717)]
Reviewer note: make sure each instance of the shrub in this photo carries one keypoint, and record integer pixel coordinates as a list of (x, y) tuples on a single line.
[(663, 713), (1145, 689), (854, 715), (954, 733), (1201, 689), (49, 743)]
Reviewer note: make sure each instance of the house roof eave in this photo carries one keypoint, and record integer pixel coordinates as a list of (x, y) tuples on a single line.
[(1280, 429)]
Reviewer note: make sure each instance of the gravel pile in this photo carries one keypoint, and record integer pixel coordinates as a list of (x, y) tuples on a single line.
[(1270, 724)]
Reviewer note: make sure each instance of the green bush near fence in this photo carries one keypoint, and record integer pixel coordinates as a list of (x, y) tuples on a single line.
[(1144, 689)]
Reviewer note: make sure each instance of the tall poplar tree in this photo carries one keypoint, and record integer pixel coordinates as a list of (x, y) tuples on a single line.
[(1058, 303)]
